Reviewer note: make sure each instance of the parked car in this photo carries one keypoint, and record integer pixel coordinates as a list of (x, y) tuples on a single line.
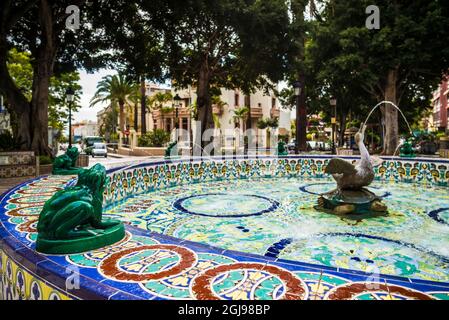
[(88, 143), (99, 149), (291, 145)]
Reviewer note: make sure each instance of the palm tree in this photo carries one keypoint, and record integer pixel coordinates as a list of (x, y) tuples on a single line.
[(116, 89), (135, 99), (268, 124), (241, 115), (157, 102)]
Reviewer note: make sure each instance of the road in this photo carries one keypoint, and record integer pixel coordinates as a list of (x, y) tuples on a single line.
[(113, 161)]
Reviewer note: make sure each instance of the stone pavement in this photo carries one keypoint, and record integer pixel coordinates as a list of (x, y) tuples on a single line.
[(8, 183)]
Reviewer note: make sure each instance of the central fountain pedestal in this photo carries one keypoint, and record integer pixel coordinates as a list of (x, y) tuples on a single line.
[(343, 202)]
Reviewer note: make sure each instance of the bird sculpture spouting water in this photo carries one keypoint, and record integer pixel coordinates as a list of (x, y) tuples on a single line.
[(350, 195), (353, 176)]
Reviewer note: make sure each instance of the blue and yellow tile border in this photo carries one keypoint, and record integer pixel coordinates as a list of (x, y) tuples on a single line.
[(148, 265)]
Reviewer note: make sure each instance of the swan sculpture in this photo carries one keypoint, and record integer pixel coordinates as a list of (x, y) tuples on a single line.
[(353, 176), (350, 195)]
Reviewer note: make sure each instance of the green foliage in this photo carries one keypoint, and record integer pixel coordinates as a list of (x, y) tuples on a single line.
[(114, 136), (241, 113), (314, 122), (155, 138), (7, 142), (167, 110), (216, 119), (283, 137), (109, 125), (441, 135), (265, 123), (411, 42), (44, 160), (114, 89), (159, 99), (62, 139), (57, 102), (244, 41), (356, 123), (21, 70), (372, 136)]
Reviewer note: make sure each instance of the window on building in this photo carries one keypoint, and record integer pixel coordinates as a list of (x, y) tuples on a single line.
[(273, 103), (247, 101), (236, 99), (154, 124), (437, 105)]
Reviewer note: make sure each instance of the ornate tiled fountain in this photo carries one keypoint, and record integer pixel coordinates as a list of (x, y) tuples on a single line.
[(239, 229)]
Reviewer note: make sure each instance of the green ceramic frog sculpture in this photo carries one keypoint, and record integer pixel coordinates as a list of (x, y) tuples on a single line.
[(282, 151), (171, 149), (66, 163), (406, 150), (71, 220)]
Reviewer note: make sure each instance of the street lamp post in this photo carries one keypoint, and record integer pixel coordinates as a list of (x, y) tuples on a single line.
[(297, 86), (177, 104), (333, 103), (69, 93)]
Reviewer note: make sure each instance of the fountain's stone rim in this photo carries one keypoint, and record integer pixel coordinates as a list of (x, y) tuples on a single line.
[(18, 248)]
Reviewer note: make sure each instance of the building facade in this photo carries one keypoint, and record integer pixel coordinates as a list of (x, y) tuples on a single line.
[(84, 129), (164, 116), (440, 107), (261, 105)]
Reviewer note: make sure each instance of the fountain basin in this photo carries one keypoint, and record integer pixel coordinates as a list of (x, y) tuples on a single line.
[(162, 261)]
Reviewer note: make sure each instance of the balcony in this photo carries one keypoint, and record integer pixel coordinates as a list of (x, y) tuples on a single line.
[(182, 113), (275, 113), (256, 112)]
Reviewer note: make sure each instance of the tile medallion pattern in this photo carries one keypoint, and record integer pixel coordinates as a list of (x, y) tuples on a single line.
[(159, 259)]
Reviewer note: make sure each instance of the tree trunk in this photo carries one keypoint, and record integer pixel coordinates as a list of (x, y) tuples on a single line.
[(390, 114), (122, 116), (143, 107), (247, 130), (19, 106), (204, 105), (341, 133), (17, 102), (136, 116), (39, 111), (43, 70), (298, 8)]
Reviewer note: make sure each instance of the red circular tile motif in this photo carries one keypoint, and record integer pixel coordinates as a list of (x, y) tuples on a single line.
[(352, 290), (29, 225), (295, 288), (110, 266)]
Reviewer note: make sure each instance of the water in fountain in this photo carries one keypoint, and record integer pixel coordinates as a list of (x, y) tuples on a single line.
[(397, 108)]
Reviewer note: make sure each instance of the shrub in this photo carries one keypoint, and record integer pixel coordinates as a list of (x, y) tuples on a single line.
[(7, 142), (283, 137), (155, 138), (43, 160)]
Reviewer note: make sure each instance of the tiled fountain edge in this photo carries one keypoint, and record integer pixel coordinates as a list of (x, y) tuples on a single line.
[(43, 269)]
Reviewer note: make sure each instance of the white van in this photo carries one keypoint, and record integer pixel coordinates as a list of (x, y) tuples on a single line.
[(99, 149)]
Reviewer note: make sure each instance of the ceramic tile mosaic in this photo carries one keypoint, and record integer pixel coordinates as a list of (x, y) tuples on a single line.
[(240, 229)]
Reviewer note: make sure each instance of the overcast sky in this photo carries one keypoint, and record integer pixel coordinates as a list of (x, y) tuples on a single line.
[(89, 84)]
